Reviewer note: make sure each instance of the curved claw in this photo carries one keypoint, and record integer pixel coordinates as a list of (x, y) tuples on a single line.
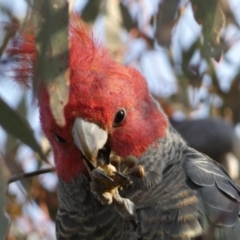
[(121, 175), (122, 179), (106, 177)]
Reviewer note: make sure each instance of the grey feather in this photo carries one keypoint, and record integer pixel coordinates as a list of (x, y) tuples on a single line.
[(185, 195)]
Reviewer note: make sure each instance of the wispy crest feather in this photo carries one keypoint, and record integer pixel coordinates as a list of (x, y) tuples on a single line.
[(24, 54), (83, 49)]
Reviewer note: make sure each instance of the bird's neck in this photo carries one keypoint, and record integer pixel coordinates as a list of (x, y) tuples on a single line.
[(160, 157), (72, 195)]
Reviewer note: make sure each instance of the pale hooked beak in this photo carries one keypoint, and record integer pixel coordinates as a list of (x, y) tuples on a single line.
[(89, 138)]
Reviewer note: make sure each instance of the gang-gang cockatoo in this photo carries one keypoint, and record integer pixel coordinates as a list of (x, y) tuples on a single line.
[(124, 172)]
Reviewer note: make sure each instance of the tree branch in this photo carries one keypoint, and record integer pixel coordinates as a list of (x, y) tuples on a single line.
[(30, 174)]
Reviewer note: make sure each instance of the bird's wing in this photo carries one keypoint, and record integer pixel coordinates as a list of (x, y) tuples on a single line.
[(219, 194)]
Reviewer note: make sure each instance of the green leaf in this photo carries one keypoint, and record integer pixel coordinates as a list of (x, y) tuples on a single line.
[(128, 22), (16, 125), (10, 29), (11, 144), (91, 10), (212, 16), (51, 23), (4, 223), (166, 19)]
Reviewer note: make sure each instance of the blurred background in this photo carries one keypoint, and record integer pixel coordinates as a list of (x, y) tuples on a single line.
[(189, 53)]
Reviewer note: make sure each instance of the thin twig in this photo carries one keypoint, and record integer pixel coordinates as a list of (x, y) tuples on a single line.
[(30, 174)]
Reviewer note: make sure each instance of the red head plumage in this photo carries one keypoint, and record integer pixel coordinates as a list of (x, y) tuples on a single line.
[(99, 87)]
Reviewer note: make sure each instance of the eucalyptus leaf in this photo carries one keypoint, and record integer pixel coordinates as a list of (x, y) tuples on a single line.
[(166, 19), (10, 29), (91, 10), (128, 22), (212, 16), (51, 23), (16, 125), (11, 144), (4, 223)]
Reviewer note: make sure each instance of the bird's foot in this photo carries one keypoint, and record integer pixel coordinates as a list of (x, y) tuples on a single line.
[(114, 175), (103, 183), (104, 186)]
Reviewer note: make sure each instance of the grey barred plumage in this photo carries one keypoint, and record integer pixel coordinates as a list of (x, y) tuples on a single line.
[(185, 195)]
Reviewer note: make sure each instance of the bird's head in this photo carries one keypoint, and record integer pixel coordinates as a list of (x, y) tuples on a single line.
[(109, 108)]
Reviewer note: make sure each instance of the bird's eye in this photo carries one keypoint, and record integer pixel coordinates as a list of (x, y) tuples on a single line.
[(59, 138), (119, 117)]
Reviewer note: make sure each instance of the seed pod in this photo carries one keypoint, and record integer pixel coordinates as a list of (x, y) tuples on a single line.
[(131, 161), (116, 161), (137, 171)]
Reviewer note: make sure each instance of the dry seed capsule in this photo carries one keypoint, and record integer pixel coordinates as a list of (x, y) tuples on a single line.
[(131, 161), (137, 171), (116, 161)]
